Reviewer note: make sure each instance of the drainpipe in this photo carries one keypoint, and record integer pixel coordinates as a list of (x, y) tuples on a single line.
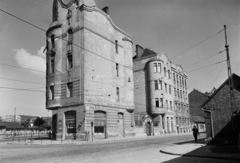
[(210, 119)]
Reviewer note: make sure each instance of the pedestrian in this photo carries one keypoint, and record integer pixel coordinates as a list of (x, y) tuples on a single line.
[(195, 133)]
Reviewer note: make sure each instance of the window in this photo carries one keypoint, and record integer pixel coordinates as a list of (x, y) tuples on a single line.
[(69, 61), (160, 84), (69, 49), (70, 40), (174, 78), (185, 83), (118, 93), (177, 78), (165, 88), (170, 89), (117, 70), (157, 102), (169, 74), (165, 72), (155, 67), (69, 90), (167, 104), (51, 93), (156, 84), (53, 41), (161, 102), (52, 65), (116, 46), (171, 105), (159, 67), (180, 81), (174, 91), (99, 122)]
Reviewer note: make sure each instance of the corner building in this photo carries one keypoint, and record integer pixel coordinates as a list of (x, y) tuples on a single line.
[(161, 100), (89, 73)]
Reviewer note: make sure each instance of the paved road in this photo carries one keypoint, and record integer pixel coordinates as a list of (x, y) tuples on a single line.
[(132, 151)]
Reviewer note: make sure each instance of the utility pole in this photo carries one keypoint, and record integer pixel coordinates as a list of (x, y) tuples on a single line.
[(230, 80)]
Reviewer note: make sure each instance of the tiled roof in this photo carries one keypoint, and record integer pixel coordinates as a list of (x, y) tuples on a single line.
[(2, 125), (15, 125), (197, 119), (234, 76)]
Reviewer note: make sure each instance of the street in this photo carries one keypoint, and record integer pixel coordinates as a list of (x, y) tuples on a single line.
[(128, 151)]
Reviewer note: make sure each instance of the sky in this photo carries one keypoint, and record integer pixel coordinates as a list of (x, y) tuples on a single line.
[(174, 27)]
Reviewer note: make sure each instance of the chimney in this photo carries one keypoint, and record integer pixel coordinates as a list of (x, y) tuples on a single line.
[(106, 10), (139, 51)]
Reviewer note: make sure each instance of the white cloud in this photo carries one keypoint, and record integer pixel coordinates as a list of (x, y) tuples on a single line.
[(27, 60)]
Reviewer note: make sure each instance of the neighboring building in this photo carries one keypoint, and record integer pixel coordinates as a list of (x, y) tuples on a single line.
[(160, 93), (89, 73), (10, 126), (199, 122), (196, 98), (17, 118), (218, 113)]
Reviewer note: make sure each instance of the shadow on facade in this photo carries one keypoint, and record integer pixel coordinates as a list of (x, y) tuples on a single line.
[(228, 135)]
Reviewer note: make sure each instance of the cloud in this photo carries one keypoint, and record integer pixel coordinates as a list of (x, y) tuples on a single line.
[(27, 60)]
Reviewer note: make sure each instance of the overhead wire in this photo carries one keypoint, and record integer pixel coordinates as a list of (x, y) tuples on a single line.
[(197, 44), (204, 59), (217, 75), (206, 66)]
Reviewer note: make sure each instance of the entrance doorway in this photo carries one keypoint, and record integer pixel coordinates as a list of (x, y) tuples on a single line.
[(100, 125), (70, 121), (120, 124), (148, 128)]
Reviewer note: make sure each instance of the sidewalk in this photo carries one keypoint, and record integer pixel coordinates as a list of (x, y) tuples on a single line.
[(202, 150), (77, 142)]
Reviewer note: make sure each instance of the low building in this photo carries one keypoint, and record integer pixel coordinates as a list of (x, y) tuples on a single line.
[(160, 94), (222, 121), (199, 122)]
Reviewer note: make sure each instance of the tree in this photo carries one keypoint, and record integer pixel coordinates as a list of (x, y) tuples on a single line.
[(39, 122), (26, 124)]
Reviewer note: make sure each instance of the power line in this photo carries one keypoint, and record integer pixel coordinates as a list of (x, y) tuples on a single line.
[(217, 75), (21, 81), (22, 20), (21, 89), (206, 66), (21, 67), (204, 59), (197, 44)]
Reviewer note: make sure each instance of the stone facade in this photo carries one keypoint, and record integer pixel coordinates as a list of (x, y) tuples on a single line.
[(89, 73), (219, 112), (160, 94)]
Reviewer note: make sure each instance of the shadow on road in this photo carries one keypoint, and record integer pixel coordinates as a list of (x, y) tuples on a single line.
[(200, 141)]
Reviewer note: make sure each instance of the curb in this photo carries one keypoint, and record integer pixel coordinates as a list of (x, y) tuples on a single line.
[(106, 141), (201, 156)]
